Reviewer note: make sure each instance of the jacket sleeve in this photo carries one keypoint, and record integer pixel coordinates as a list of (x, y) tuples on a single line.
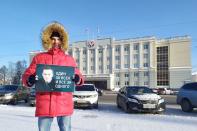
[(81, 81), (31, 70)]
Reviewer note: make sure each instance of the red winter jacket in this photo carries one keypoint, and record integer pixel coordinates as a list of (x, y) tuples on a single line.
[(52, 103)]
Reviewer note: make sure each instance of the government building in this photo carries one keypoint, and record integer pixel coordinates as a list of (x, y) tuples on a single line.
[(146, 61)]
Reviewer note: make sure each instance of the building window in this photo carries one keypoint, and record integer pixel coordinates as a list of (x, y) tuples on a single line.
[(145, 56), (146, 73), (84, 68), (126, 83), (70, 52), (126, 75), (162, 66), (77, 60), (126, 48), (100, 58), (117, 58), (84, 60), (100, 51), (108, 67), (126, 58), (117, 83), (136, 74), (117, 49), (136, 47), (92, 67), (100, 67), (117, 75), (135, 56), (108, 58), (146, 46), (126, 65), (117, 66), (135, 83), (146, 83), (135, 65), (84, 52), (92, 51), (145, 64), (92, 59)]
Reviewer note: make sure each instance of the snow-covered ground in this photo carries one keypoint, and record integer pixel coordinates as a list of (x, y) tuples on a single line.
[(106, 118)]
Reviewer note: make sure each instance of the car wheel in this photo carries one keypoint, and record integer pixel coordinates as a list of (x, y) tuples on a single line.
[(126, 109), (186, 105), (26, 99), (14, 101), (96, 105), (32, 105), (117, 103), (160, 112)]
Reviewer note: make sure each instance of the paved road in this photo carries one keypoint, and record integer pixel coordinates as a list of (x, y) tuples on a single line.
[(110, 97)]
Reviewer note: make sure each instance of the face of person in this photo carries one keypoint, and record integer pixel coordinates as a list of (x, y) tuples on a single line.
[(56, 42), (47, 75)]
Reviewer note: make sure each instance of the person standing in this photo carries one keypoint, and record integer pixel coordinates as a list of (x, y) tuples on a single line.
[(53, 104)]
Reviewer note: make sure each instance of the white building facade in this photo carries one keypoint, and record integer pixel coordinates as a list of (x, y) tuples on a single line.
[(146, 61)]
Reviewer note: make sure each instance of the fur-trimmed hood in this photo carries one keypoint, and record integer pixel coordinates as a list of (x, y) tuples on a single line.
[(46, 34)]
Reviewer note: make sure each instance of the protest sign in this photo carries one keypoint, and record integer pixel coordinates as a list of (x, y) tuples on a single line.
[(52, 78)]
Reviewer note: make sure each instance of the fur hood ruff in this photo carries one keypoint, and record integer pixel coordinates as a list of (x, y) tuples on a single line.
[(48, 30)]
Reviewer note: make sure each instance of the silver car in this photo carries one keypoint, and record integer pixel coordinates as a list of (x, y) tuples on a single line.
[(187, 97)]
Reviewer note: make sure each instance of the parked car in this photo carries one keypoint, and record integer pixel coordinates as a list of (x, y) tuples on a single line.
[(86, 96), (155, 90), (100, 92), (139, 99), (164, 91), (187, 97), (32, 97), (13, 93)]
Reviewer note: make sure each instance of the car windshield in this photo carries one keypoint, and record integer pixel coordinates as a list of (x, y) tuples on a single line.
[(85, 88), (138, 90), (8, 88)]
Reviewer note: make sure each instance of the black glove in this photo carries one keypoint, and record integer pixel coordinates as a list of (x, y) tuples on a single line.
[(31, 80), (76, 79)]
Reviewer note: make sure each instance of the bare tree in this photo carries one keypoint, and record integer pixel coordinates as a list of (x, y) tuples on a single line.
[(11, 72), (20, 68), (3, 73)]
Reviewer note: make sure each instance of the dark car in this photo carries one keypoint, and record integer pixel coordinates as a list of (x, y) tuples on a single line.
[(187, 97), (100, 92), (139, 99), (13, 93)]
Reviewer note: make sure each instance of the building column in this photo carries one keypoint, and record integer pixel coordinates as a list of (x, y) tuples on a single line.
[(131, 56), (80, 59), (96, 60), (131, 78), (112, 59), (121, 56), (104, 59), (141, 61), (88, 60), (122, 79), (150, 54)]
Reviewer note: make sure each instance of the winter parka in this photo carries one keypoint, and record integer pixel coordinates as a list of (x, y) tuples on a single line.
[(53, 104)]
